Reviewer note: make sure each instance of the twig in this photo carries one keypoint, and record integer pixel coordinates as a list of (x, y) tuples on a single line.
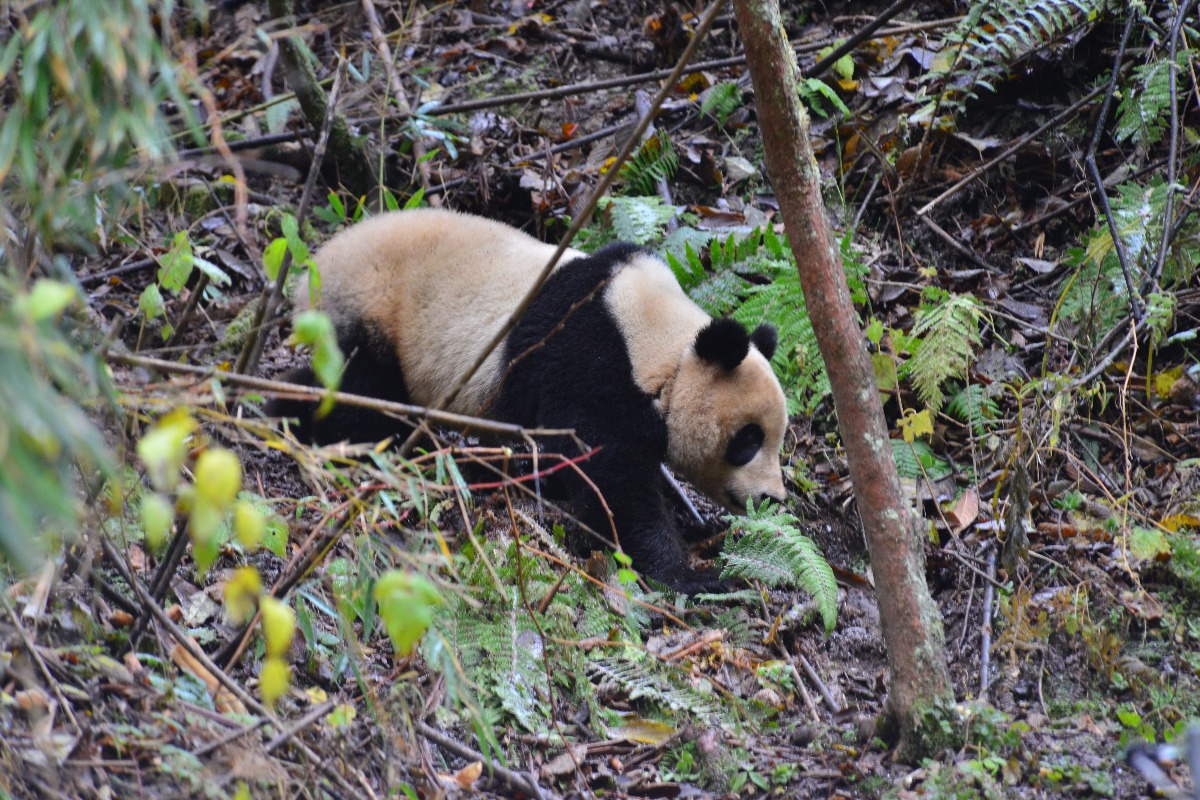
[(985, 643), (284, 388), (805, 695), (582, 218), (304, 722), (1008, 151), (189, 309), (1116, 351), (696, 643), (32, 648), (857, 37), (397, 87), (962, 249), (1087, 195), (641, 104), (566, 90), (132, 266), (272, 294), (524, 783), (231, 736), (162, 579), (826, 695), (1172, 152), (189, 645), (1094, 171)]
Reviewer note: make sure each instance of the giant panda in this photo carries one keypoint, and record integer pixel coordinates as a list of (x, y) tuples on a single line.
[(611, 347)]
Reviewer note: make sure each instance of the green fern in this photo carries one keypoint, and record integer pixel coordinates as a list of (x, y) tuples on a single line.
[(971, 405), (655, 160), (995, 35), (1096, 296), (1144, 111), (721, 101), (644, 678), (949, 335), (916, 460), (773, 550), (640, 220)]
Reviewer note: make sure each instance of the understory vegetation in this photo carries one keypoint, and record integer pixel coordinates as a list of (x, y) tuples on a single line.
[(194, 603)]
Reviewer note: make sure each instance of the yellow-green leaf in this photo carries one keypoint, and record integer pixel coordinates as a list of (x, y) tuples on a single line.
[(248, 524), (48, 298), (164, 447), (406, 603), (278, 625), (218, 477), (241, 593), (341, 716), (914, 424), (157, 514), (274, 679), (204, 526)]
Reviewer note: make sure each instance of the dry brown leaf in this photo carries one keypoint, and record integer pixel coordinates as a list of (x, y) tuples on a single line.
[(223, 699), (965, 511)]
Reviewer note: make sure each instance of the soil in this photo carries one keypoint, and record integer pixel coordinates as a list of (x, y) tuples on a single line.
[(1090, 644)]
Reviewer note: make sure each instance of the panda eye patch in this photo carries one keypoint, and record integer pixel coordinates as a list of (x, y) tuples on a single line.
[(744, 445)]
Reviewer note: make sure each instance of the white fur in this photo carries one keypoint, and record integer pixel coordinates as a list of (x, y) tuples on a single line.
[(439, 285)]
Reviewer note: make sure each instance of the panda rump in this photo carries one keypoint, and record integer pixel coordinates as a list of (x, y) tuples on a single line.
[(611, 347)]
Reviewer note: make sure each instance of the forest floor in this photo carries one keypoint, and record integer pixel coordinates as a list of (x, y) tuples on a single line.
[(1062, 522)]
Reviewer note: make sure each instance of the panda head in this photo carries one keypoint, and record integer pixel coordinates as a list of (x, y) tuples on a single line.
[(726, 415)]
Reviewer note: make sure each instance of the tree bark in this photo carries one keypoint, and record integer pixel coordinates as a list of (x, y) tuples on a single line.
[(351, 163), (911, 622)]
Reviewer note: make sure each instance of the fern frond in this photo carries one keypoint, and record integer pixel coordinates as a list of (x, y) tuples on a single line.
[(655, 160), (997, 34), (637, 219), (648, 679), (774, 551), (721, 101), (949, 333), (971, 405), (916, 460), (1142, 116)]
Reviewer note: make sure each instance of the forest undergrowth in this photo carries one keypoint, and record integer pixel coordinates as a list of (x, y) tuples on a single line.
[(197, 604)]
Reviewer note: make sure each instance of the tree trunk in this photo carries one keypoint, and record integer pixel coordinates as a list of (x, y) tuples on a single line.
[(912, 626)]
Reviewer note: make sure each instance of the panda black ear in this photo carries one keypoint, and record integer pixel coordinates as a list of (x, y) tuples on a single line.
[(765, 339), (724, 342)]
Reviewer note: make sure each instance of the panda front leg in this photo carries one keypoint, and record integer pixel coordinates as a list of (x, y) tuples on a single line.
[(633, 486)]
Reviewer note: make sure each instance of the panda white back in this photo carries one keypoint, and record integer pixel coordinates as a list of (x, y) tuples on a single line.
[(437, 285)]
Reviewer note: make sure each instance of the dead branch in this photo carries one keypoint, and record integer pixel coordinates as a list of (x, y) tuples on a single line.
[(300, 391), (192, 649), (582, 218)]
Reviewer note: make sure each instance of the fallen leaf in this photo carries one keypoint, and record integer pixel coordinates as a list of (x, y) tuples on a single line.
[(564, 763), (965, 511)]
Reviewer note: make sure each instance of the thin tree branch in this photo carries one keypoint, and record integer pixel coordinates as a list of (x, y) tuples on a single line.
[(1008, 151), (1094, 171), (582, 218), (1151, 278)]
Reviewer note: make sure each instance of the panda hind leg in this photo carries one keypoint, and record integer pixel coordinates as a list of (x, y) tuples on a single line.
[(372, 370)]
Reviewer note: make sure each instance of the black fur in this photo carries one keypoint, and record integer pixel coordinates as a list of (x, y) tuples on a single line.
[(724, 342), (744, 445), (581, 377), (373, 370), (765, 338)]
